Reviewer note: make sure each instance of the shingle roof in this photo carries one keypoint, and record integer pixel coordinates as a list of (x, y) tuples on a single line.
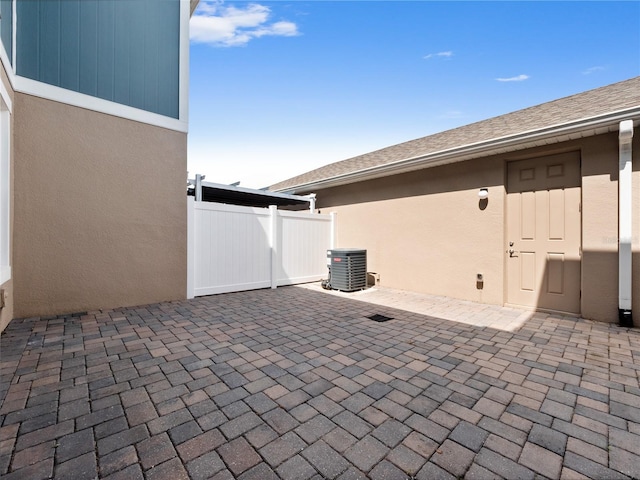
[(612, 98)]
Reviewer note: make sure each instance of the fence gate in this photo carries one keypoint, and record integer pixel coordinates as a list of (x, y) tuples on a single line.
[(233, 248)]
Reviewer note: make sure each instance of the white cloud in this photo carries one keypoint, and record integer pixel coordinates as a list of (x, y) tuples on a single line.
[(229, 26), (519, 78), (439, 54), (591, 70)]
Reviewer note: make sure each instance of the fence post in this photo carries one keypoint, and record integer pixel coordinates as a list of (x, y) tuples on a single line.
[(312, 202), (273, 243), (198, 191), (191, 247)]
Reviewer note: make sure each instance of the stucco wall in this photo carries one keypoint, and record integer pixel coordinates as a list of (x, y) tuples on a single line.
[(426, 231), (6, 313), (100, 208), (600, 228)]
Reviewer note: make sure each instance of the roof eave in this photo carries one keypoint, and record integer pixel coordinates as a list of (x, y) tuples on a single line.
[(582, 128), (193, 4)]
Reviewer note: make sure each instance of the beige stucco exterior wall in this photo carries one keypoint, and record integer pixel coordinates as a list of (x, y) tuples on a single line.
[(424, 231), (6, 313), (600, 228), (100, 210)]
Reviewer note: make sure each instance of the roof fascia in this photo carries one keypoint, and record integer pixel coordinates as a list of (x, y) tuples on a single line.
[(581, 128)]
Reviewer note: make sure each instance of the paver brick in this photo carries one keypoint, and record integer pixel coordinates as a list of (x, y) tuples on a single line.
[(503, 466), (34, 454), (200, 445), (406, 459), (168, 421), (155, 450), (315, 428), (503, 446), (541, 460), (118, 460), (591, 469), (261, 435), (530, 414), (171, 469), (366, 453), (377, 390), (132, 472), (589, 451), (110, 427), (339, 439), (282, 448), (577, 431), (238, 455), (386, 470), (40, 470), (391, 432), (469, 436), (42, 435), (140, 413), (122, 439), (296, 468), (205, 466), (352, 423), (453, 458), (624, 461), (326, 460), (280, 420), (548, 438), (431, 471), (83, 467), (259, 472)]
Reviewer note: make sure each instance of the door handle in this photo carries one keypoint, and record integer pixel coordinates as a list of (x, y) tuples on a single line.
[(511, 253)]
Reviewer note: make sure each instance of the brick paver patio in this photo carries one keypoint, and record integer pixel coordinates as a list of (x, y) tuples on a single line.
[(296, 383)]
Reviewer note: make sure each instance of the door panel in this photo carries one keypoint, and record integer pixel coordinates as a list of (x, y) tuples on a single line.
[(543, 228)]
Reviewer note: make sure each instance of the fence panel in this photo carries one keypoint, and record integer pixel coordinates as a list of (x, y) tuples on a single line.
[(303, 241), (233, 248)]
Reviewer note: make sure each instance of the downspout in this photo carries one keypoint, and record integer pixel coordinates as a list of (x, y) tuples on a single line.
[(625, 223)]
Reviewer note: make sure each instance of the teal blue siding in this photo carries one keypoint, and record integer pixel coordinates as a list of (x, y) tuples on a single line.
[(49, 51), (6, 27), (70, 46), (125, 51), (88, 39)]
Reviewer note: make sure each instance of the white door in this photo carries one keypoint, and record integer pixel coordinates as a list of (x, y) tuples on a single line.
[(543, 232)]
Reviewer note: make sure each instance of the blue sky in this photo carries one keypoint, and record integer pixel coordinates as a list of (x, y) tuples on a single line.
[(279, 88)]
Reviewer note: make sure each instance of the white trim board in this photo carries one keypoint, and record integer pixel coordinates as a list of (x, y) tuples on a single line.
[(69, 97)]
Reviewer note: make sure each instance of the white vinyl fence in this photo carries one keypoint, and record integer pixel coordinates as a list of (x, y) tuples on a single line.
[(233, 248)]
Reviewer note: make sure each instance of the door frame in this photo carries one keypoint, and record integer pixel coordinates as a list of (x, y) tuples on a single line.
[(505, 241)]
